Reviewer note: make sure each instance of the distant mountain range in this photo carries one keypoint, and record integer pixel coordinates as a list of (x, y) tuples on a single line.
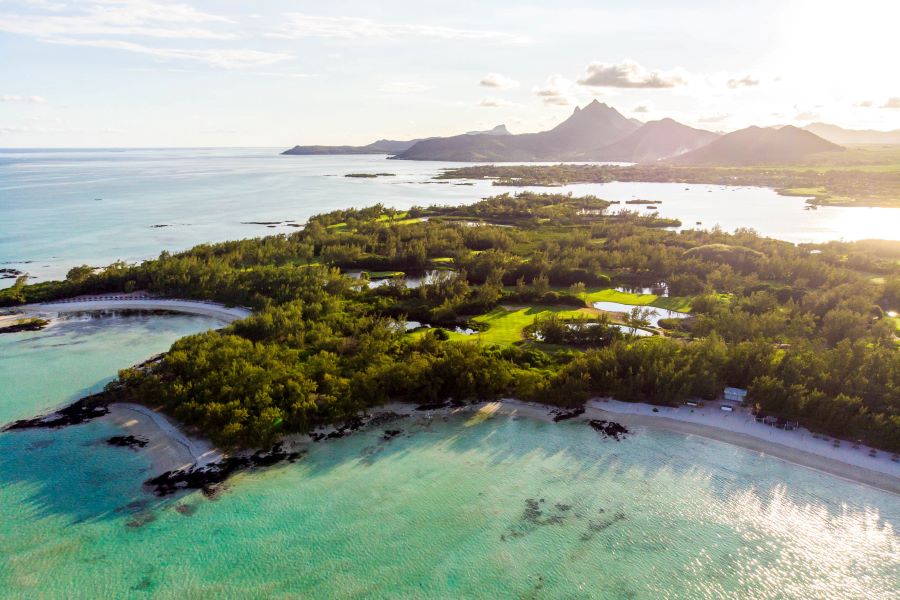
[(759, 145), (654, 141), (380, 146), (589, 128), (839, 135), (599, 132)]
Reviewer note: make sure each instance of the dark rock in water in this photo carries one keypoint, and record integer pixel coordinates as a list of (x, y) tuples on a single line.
[(609, 429), (186, 509), (28, 325), (8, 273), (349, 426), (564, 415), (384, 419), (390, 434), (127, 441), (86, 409), (141, 519), (208, 478), (433, 406)]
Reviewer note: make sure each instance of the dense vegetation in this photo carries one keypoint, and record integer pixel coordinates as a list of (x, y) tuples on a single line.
[(838, 185), (803, 327)]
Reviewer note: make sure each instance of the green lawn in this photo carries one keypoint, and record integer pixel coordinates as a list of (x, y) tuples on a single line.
[(676, 303), (505, 327)]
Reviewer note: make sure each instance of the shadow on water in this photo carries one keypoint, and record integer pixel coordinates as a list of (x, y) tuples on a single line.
[(72, 473)]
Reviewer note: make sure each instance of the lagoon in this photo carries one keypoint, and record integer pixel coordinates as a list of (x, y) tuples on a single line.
[(63, 208)]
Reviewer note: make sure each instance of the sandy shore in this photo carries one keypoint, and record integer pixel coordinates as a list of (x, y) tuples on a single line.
[(227, 314), (168, 448), (741, 429), (798, 447)]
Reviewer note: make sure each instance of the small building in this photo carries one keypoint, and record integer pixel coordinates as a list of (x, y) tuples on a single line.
[(733, 394)]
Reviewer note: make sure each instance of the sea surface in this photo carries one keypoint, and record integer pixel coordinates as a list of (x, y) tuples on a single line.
[(62, 208), (458, 507)]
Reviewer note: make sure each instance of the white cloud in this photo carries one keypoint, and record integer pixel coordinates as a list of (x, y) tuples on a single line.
[(745, 81), (496, 80), (557, 91), (641, 109), (492, 102), (717, 118), (892, 102), (23, 99), (222, 57), (628, 74), (299, 25), (146, 18)]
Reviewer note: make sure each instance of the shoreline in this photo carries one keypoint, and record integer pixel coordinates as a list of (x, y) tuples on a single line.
[(797, 447), (168, 447), (171, 449), (130, 302)]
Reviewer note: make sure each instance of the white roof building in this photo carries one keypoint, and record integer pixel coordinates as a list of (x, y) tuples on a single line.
[(735, 394)]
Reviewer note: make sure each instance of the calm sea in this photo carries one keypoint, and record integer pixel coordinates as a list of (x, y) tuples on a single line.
[(65, 208)]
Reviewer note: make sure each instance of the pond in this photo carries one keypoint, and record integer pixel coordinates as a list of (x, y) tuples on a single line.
[(654, 317)]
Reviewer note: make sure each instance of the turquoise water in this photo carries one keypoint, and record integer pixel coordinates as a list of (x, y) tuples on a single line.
[(79, 355), (457, 507), (66, 208)]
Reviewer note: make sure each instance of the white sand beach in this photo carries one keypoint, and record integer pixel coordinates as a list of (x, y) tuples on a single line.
[(169, 448), (138, 301), (738, 428)]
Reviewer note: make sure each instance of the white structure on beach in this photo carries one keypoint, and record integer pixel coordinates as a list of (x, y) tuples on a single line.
[(735, 394)]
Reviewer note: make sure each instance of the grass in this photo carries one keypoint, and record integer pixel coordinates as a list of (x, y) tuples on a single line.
[(676, 303), (895, 321), (505, 327)]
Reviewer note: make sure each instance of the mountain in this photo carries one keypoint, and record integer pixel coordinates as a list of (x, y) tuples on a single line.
[(757, 145), (586, 129), (498, 130), (839, 135), (653, 141), (381, 146)]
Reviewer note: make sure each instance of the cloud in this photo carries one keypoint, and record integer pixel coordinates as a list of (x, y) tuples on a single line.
[(492, 102), (628, 74), (864, 104), (745, 81), (641, 109), (299, 25), (496, 80), (557, 91), (892, 102), (23, 99), (146, 18), (404, 87), (806, 115), (714, 118), (222, 57)]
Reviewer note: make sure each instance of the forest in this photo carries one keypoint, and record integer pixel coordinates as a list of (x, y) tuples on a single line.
[(494, 299)]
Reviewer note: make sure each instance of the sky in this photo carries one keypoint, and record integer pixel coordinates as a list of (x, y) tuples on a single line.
[(169, 73)]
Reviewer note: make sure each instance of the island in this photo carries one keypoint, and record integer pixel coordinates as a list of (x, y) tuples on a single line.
[(516, 296)]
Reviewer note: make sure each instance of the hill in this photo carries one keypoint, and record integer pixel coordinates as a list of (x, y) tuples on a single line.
[(757, 146), (653, 141), (586, 129), (839, 135), (382, 146)]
